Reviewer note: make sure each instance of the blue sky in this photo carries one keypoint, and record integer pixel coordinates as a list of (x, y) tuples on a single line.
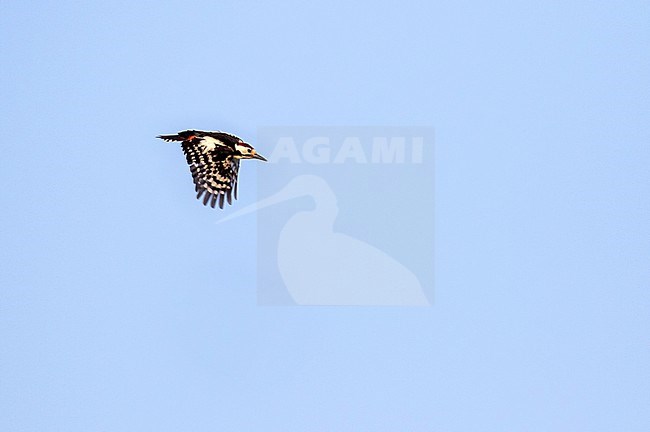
[(124, 307)]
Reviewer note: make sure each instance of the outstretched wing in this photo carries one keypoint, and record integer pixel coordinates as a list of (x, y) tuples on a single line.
[(214, 171)]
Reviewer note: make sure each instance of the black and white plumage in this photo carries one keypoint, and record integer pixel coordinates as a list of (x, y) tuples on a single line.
[(214, 158)]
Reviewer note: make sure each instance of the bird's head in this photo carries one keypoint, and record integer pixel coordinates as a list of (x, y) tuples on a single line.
[(246, 151)]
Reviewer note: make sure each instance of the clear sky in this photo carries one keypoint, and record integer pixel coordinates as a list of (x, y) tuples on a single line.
[(124, 307)]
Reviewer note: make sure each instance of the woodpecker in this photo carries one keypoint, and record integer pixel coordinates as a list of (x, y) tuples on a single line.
[(214, 158)]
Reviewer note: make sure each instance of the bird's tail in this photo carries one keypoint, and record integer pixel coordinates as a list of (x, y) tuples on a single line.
[(181, 136)]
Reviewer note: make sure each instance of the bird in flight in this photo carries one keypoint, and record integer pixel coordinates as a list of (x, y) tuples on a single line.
[(214, 158)]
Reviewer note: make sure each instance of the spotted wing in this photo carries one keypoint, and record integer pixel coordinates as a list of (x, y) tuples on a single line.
[(214, 173)]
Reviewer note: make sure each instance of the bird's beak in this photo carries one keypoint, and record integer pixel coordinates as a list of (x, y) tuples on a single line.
[(260, 157)]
